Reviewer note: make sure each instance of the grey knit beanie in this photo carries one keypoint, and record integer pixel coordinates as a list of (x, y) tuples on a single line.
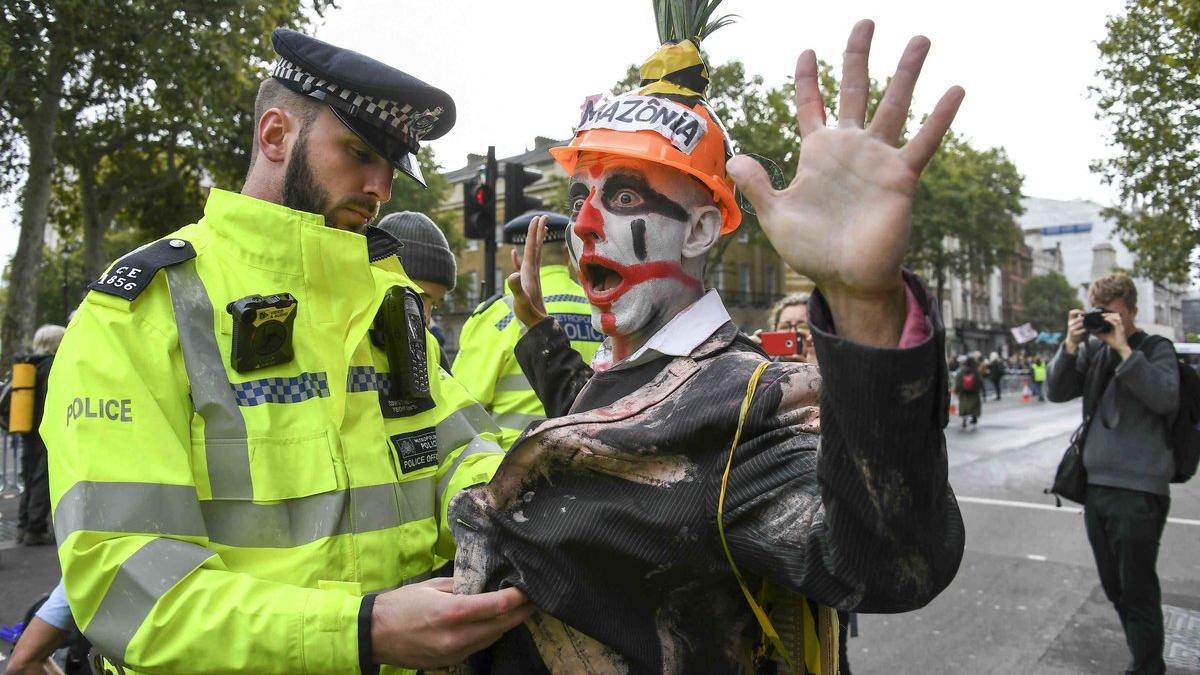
[(426, 255)]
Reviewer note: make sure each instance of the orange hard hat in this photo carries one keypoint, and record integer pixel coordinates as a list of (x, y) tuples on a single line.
[(667, 122)]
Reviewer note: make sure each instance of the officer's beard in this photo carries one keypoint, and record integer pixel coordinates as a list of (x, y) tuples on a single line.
[(300, 189)]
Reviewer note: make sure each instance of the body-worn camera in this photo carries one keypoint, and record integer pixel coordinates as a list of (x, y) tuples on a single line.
[(262, 331), (400, 330), (1093, 322)]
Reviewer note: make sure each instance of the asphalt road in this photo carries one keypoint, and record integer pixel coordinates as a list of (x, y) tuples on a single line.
[(1026, 599)]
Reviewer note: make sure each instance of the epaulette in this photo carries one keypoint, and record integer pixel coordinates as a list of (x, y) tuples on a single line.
[(130, 275), (487, 303)]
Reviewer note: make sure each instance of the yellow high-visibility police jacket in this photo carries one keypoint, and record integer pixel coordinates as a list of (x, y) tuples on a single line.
[(211, 520), (487, 366)]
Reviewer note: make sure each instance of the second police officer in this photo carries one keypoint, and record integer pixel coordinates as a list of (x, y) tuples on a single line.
[(486, 364), (251, 440)]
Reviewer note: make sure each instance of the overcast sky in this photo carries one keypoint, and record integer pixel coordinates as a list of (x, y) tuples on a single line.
[(520, 68)]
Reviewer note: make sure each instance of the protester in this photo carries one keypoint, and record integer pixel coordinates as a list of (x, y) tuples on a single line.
[(33, 512), (968, 386), (244, 494), (607, 514), (1130, 391), (486, 364), (427, 260), (1037, 378)]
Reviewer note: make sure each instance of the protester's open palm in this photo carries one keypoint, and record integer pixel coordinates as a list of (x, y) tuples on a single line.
[(845, 219)]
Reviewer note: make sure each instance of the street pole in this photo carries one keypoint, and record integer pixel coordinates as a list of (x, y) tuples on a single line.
[(489, 242)]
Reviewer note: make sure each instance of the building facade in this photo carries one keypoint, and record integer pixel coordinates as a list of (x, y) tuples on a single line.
[(1078, 234)]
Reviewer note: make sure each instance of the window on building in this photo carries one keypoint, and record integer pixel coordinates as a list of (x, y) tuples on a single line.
[(718, 277), (769, 281), (744, 279), (744, 235), (472, 289)]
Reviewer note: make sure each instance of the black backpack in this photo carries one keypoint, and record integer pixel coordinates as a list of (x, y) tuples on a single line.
[(1184, 433)]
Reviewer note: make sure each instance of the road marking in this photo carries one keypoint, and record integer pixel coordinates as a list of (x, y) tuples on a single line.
[(1039, 558), (1051, 507)]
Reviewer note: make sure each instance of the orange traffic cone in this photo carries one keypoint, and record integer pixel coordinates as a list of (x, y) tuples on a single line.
[(1026, 393)]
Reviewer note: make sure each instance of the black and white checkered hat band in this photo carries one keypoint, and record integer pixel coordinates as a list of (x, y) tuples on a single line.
[(403, 119)]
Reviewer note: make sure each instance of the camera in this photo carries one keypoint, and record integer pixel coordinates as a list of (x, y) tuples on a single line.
[(262, 331), (1094, 322)]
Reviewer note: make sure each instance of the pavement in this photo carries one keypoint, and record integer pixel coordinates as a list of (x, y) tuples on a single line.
[(1026, 598)]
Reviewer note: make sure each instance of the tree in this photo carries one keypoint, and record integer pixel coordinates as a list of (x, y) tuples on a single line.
[(964, 213), (1151, 101), (81, 82), (1045, 301)]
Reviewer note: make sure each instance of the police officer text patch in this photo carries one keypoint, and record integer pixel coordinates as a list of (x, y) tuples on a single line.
[(130, 275), (416, 449), (578, 327)]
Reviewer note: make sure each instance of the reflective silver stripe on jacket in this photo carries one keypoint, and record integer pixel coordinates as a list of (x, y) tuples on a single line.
[(225, 448), (141, 580), (515, 382), (515, 420), (175, 511), (476, 446), (461, 426)]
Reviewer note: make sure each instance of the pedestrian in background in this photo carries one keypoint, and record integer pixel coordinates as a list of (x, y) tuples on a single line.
[(33, 514), (1129, 395), (790, 313), (968, 386), (995, 372)]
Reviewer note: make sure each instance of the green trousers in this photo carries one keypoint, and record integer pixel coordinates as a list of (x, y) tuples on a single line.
[(1124, 528)]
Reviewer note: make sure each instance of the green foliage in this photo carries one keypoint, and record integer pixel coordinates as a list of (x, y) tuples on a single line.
[(407, 195), (964, 213), (1045, 301), (679, 20), (1151, 101)]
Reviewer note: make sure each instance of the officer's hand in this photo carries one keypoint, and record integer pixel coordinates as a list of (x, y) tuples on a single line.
[(1076, 333), (526, 284), (427, 626)]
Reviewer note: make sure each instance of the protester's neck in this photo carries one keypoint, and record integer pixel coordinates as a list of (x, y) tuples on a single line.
[(625, 345)]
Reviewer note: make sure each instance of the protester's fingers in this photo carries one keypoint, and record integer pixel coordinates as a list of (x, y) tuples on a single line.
[(516, 259), (920, 149), (752, 181), (810, 105), (892, 113), (515, 285), (852, 100)]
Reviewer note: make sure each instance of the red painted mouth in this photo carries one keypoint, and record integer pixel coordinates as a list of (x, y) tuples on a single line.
[(605, 281)]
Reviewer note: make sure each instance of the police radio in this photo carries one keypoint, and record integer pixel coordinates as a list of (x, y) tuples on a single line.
[(400, 330), (262, 331)]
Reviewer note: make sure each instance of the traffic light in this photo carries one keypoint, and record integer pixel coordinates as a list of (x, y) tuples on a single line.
[(516, 179), (479, 202)]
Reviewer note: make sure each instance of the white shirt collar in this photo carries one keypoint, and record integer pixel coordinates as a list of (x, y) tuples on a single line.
[(683, 333)]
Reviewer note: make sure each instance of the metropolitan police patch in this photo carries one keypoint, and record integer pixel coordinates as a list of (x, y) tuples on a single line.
[(416, 449)]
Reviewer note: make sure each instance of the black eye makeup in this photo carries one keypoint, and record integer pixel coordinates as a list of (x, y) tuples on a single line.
[(628, 193), (577, 194)]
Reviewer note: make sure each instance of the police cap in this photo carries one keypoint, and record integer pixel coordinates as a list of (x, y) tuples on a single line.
[(516, 229), (391, 111)]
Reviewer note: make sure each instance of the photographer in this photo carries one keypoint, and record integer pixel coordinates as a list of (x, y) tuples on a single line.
[(1132, 394)]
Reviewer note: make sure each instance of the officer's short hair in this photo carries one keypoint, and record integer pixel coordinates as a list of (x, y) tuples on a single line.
[(272, 94), (1115, 286)]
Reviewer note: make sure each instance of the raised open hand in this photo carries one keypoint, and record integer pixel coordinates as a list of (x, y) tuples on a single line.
[(526, 283), (845, 220)]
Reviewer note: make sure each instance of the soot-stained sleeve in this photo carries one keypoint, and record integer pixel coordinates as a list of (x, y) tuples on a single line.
[(868, 522), (556, 372)]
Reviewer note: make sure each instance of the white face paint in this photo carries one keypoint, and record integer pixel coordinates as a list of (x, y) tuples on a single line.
[(633, 233)]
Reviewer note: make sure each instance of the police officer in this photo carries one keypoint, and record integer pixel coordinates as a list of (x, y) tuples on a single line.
[(250, 440), (486, 365)]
